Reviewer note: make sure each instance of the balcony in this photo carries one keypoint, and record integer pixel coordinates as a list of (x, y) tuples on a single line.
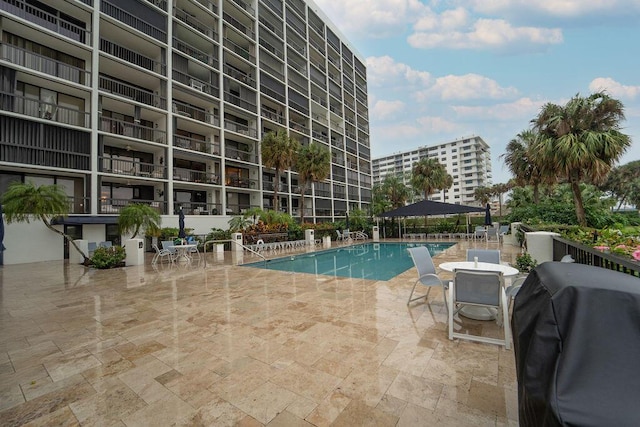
[(238, 209), (131, 56), (135, 168), (277, 30), (238, 25), (242, 103), (43, 110), (46, 20), (241, 182), (240, 76), (196, 145), (44, 64), (114, 206), (240, 128), (192, 22), (134, 93), (320, 136), (132, 21), (195, 113), (269, 47), (198, 85), (209, 5), (300, 127), (268, 185), (190, 175), (198, 208), (195, 53), (276, 117), (239, 50), (245, 6), (237, 154), (132, 130)]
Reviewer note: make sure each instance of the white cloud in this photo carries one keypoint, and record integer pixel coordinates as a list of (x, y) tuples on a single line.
[(523, 109), (373, 18), (555, 8), (487, 34), (437, 124), (384, 69), (614, 88), (469, 86), (386, 109)]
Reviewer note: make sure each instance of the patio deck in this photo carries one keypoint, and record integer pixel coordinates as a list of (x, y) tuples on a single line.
[(228, 345)]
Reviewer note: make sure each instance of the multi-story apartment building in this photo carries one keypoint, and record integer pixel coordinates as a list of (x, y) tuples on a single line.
[(467, 160), (166, 101)]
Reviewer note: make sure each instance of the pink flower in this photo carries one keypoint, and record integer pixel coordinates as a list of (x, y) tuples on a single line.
[(636, 254)]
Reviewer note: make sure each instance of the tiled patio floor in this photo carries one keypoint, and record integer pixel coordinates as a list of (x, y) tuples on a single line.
[(230, 345)]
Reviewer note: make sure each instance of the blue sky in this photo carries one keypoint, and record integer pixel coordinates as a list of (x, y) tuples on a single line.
[(443, 69)]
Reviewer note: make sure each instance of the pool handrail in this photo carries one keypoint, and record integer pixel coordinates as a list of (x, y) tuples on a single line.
[(230, 241)]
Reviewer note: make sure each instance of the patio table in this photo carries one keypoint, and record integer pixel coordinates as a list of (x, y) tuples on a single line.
[(183, 251)]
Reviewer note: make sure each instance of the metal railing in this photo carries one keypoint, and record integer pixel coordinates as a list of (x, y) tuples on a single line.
[(242, 103), (239, 75), (196, 145), (232, 242), (43, 110), (196, 84), (131, 167), (238, 25), (132, 20), (106, 205), (131, 92), (239, 50), (197, 176), (195, 113), (194, 23), (132, 56), (198, 208), (240, 128), (195, 53), (132, 130), (44, 64), (583, 254)]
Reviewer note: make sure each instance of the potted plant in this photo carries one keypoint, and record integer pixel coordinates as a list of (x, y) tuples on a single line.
[(525, 263)]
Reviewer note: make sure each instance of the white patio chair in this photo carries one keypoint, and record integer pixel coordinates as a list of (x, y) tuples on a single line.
[(160, 255), (168, 245), (484, 255), (479, 233), (492, 235), (426, 273), (480, 289), (339, 235)]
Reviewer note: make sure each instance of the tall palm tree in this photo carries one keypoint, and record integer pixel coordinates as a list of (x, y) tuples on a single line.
[(24, 202), (313, 164), (581, 141), (138, 217), (498, 190), (482, 195), (278, 153), (521, 162), (397, 193), (429, 175), (623, 183)]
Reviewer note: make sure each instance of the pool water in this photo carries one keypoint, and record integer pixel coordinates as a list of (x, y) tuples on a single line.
[(371, 261)]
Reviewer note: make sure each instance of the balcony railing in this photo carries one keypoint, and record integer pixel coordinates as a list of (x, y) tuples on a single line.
[(241, 182), (44, 19), (320, 136), (132, 21), (587, 255), (132, 56), (44, 64), (131, 92), (272, 93), (319, 99), (242, 103), (198, 208), (194, 23), (279, 118), (162, 4), (198, 85), (195, 53), (269, 186), (209, 5), (196, 145), (190, 175), (238, 25), (120, 166), (79, 205), (240, 128), (244, 6), (240, 76), (195, 113), (20, 151), (275, 29), (238, 209), (107, 206), (239, 50), (235, 153), (268, 46), (300, 127), (132, 130), (43, 110)]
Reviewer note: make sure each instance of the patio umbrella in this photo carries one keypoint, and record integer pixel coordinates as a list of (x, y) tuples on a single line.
[(487, 216), (2, 248), (181, 232)]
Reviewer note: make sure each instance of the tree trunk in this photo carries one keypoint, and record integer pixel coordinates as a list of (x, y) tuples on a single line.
[(67, 238), (536, 194), (577, 198)]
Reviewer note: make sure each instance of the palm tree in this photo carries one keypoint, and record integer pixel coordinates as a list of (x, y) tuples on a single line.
[(278, 152), (521, 161), (429, 175), (396, 191), (24, 202), (581, 141), (482, 195), (498, 190), (623, 183), (138, 217), (313, 164)]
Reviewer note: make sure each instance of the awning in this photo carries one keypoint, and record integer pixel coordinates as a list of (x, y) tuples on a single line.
[(85, 219), (429, 207)]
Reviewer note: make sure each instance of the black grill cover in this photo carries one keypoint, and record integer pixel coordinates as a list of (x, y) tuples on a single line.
[(576, 331)]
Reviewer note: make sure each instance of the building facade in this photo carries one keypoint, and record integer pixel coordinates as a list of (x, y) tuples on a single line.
[(467, 160), (165, 102)]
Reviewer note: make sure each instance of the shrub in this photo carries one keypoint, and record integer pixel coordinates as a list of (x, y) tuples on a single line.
[(108, 257), (525, 263)]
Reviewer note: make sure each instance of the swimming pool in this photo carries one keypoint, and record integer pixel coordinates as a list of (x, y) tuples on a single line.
[(372, 261)]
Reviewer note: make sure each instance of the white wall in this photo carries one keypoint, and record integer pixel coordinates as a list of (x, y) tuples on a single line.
[(32, 242)]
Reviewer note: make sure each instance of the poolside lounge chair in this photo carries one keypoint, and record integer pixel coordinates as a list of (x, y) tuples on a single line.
[(480, 233), (492, 235), (481, 289), (340, 236), (426, 273)]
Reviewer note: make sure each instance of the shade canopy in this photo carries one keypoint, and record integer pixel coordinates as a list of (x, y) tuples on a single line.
[(429, 207), (181, 232)]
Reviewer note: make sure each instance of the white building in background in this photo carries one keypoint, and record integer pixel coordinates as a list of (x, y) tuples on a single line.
[(467, 160), (165, 102)]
